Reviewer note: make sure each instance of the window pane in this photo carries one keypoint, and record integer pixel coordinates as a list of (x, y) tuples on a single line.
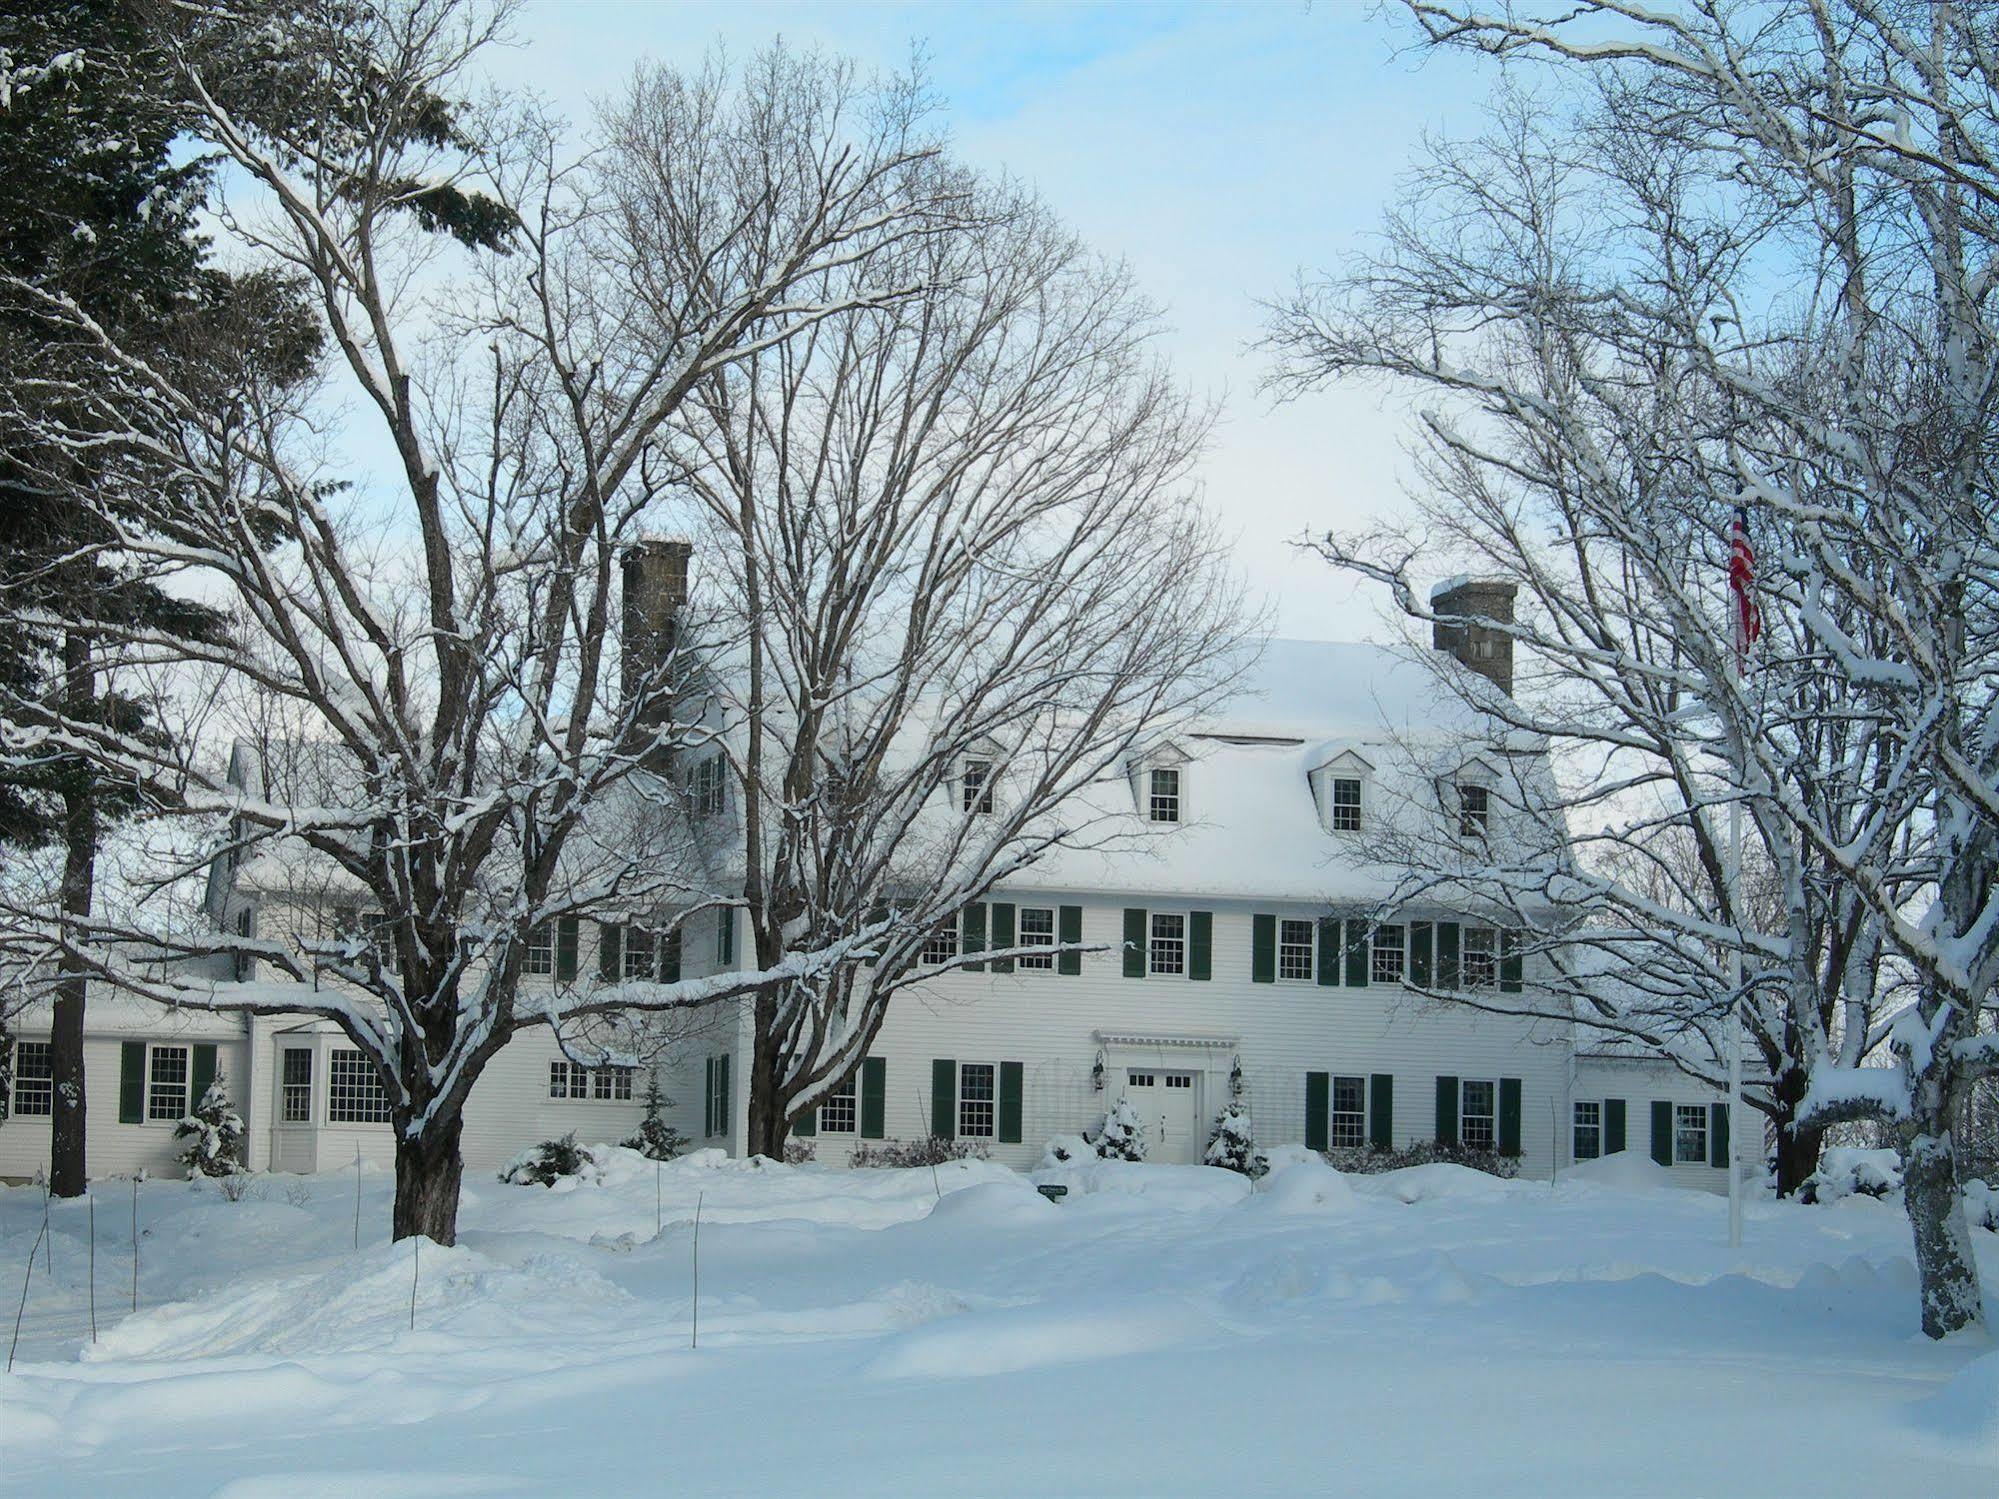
[(1481, 957), (34, 1078), (1037, 929), (1349, 1121), (1475, 1117), (978, 786), (1294, 949), (1346, 805), (354, 1092), (167, 1076), (836, 1114), (1169, 944), (1164, 804), (1589, 1131), (558, 1079), (941, 946), (1474, 810), (1690, 1134), (639, 952), (600, 1084), (297, 1086), (1390, 954), (541, 949), (975, 1099)]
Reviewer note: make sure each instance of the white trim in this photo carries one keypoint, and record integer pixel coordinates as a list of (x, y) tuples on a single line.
[(1167, 1038)]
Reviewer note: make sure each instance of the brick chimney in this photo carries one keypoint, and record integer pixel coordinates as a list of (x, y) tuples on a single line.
[(655, 587), (1487, 651)]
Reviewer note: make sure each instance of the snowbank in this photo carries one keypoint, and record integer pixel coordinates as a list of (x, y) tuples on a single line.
[(1627, 1170), (1309, 1187), (1845, 1171), (1439, 1181)]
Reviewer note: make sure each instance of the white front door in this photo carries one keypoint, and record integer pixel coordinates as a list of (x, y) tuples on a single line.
[(1168, 1101)]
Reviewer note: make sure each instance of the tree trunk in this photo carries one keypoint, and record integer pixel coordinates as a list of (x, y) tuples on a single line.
[(429, 1170), (1944, 1263), (767, 1128), (1798, 1145), (68, 1162)]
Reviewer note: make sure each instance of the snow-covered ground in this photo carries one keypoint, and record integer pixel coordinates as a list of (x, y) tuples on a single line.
[(1162, 1331)]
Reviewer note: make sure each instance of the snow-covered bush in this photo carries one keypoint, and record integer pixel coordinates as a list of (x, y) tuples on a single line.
[(1065, 1150), (1121, 1137), (545, 1164), (655, 1139), (800, 1152), (211, 1139), (1232, 1146), (930, 1150), (1846, 1171), (1369, 1160)]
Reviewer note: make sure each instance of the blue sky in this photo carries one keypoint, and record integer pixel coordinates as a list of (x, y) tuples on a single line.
[(1217, 148)]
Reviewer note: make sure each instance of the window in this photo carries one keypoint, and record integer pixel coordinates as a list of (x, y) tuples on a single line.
[(1588, 1130), (836, 1114), (1346, 804), (166, 1084), (295, 1098), (1037, 929), (354, 1091), (541, 950), (1477, 1126), (715, 1116), (641, 952), (704, 788), (1294, 949), (1140, 1079), (1391, 954), (941, 946), (1163, 805), (977, 790), (976, 1099), (1690, 1134), (1474, 810), (1179, 1079), (1481, 957), (34, 1078), (572, 1080), (377, 929), (1349, 1122), (1169, 944), (558, 1079)]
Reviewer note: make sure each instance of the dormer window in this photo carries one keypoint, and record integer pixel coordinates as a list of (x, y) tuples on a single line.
[(1474, 810), (1163, 796), (1346, 804), (976, 788), (704, 787)]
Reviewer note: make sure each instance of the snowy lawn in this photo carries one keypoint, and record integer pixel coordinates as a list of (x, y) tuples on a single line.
[(1163, 1331)]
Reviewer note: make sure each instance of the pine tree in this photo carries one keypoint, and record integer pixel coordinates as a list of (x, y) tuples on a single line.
[(1121, 1137), (1232, 1146), (655, 1138), (211, 1138)]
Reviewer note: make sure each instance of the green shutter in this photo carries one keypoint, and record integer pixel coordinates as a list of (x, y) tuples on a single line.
[(1263, 949), (1420, 972), (1357, 945), (874, 1097), (725, 937), (1509, 1116), (1381, 1111), (610, 950), (201, 1073), (1717, 1134), (1200, 944), (972, 934), (1329, 951), (1510, 966), (1662, 1133), (1318, 1108), (669, 956), (1613, 1125), (1010, 1074), (132, 1083), (1447, 1111), (806, 1124), (943, 1098), (722, 1095), (708, 1099), (566, 931), (1134, 942), (1447, 955), (1069, 930), (1002, 934)]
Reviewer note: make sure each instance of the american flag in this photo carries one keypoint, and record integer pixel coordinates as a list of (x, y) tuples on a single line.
[(1742, 586)]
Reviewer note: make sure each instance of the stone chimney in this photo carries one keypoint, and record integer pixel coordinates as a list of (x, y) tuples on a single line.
[(655, 587), (1487, 651)]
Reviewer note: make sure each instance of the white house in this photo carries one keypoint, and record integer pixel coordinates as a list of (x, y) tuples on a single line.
[(1238, 949)]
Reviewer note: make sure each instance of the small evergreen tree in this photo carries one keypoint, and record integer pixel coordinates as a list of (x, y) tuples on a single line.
[(1232, 1146), (1121, 1137), (211, 1138), (655, 1139)]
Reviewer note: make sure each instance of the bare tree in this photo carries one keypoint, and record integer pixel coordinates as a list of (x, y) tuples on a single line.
[(960, 549), (470, 761), (1729, 281)]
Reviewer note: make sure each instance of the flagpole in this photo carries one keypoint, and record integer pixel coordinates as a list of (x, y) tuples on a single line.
[(1735, 1030)]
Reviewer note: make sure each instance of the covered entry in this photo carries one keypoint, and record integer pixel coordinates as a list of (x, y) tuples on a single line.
[(1175, 1081)]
